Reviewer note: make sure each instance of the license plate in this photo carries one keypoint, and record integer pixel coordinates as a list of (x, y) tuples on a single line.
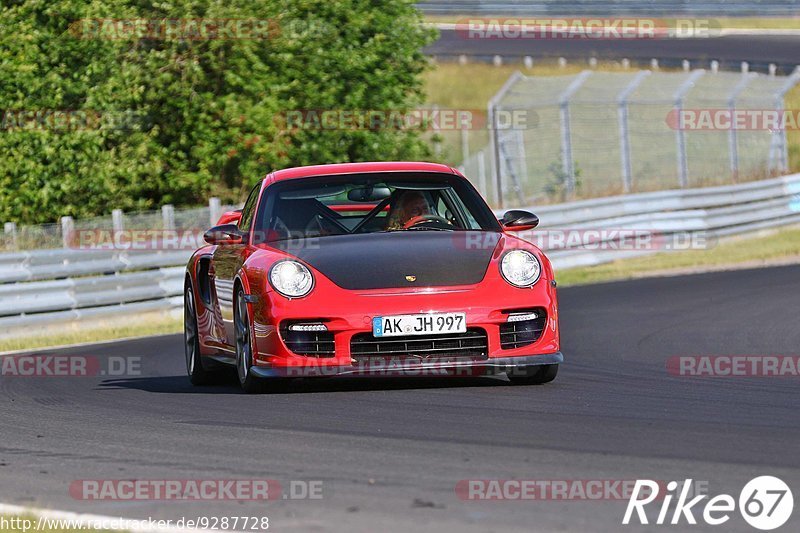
[(423, 324)]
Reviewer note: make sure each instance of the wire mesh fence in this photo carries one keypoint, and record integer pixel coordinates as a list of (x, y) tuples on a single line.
[(600, 133)]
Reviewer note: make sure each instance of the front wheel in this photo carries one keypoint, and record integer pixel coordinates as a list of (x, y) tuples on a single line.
[(533, 375), (198, 375), (244, 346)]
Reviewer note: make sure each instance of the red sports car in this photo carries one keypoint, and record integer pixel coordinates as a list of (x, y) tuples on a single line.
[(370, 269)]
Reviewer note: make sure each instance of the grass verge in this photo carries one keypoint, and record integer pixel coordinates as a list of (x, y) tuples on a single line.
[(444, 83), (740, 252), (149, 324)]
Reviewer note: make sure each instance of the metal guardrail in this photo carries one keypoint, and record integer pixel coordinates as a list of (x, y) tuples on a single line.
[(710, 8), (55, 286), (37, 265), (712, 212)]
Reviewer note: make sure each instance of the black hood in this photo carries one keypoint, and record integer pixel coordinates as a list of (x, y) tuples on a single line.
[(384, 260)]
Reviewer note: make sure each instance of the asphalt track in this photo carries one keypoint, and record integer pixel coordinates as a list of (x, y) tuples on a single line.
[(729, 50), (390, 452)]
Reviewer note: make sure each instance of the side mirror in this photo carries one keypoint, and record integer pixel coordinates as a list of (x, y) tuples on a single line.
[(518, 220), (225, 234), (230, 217)]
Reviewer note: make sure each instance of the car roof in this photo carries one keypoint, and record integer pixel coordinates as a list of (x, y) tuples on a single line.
[(359, 168)]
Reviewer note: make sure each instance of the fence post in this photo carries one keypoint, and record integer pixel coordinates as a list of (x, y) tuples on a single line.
[(481, 158), (508, 143), (10, 230), (523, 163), (494, 141), (214, 210), (624, 133), (497, 167), (779, 135), (168, 216), (566, 134), (464, 141), (117, 223), (680, 134), (67, 231), (733, 136), (436, 126)]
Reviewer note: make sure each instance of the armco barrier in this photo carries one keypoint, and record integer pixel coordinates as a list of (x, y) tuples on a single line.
[(54, 286), (610, 8), (713, 212)]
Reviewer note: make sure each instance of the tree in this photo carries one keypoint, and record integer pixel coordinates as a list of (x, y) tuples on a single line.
[(96, 116)]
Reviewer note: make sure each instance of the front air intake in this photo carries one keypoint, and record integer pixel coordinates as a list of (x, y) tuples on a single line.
[(304, 339), (518, 333)]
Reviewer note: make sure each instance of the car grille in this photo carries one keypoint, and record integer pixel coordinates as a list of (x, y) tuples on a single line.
[(310, 343), (519, 334), (472, 345)]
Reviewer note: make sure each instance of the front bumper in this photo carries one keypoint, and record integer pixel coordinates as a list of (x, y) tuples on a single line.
[(454, 368)]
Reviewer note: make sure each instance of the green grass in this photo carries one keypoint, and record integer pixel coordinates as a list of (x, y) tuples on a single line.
[(731, 253), (444, 83), (785, 23), (150, 324)]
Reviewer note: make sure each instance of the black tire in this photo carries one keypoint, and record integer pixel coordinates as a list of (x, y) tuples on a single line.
[(244, 346), (198, 373), (533, 375)]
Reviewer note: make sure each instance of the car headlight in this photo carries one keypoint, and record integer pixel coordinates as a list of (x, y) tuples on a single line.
[(291, 278), (520, 268)]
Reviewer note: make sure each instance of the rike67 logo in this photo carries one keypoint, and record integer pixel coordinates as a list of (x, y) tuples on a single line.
[(765, 503)]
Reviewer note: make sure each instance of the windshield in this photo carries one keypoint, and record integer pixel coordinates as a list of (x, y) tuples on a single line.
[(371, 203)]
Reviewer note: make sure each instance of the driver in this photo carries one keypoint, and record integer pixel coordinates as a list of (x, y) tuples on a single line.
[(410, 204)]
